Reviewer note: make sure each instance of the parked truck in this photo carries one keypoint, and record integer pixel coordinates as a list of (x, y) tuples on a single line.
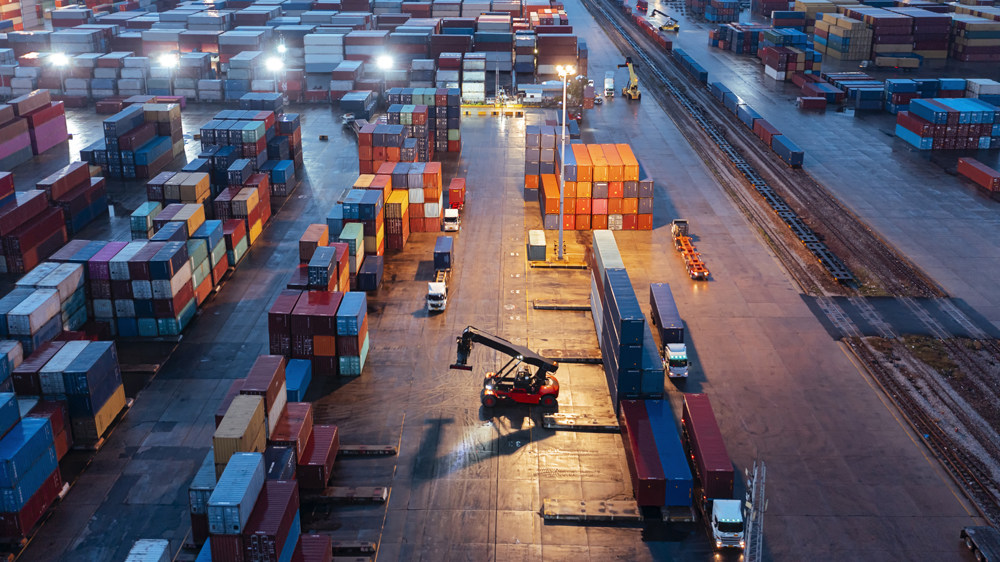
[(669, 325), (437, 290), (609, 84), (983, 542), (713, 473)]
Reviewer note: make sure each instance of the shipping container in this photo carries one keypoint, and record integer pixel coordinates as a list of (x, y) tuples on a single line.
[(648, 483), (235, 494), (242, 430), (707, 448), (673, 459), (663, 311)]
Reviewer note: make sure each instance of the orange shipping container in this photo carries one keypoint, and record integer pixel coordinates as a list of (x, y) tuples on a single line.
[(616, 188), (645, 222), (531, 181), (432, 175), (614, 162), (569, 189), (569, 222), (630, 205), (629, 222), (550, 194), (325, 346), (584, 189), (629, 163), (598, 162), (584, 168), (600, 222), (392, 153), (364, 153), (569, 203), (583, 206), (583, 222)]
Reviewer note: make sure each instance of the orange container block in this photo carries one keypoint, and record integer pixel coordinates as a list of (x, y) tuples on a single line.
[(531, 181), (630, 166), (598, 162), (569, 189), (616, 188), (584, 189), (583, 222), (584, 168), (600, 222), (550, 189), (630, 206), (614, 205), (614, 162), (645, 222)]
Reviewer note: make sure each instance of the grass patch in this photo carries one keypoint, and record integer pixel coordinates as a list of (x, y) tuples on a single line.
[(931, 353)]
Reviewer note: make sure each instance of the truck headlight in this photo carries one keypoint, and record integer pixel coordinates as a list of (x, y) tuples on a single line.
[(743, 544), (718, 543)]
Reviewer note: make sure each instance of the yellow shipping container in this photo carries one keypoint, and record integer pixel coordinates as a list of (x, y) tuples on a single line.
[(89, 430), (241, 430), (255, 231), (364, 181), (195, 188)]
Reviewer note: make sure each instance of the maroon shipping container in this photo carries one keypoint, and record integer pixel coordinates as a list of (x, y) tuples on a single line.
[(271, 520), (980, 173), (764, 130), (65, 180), (705, 445), (266, 378), (313, 548), (138, 265), (228, 548), (19, 524), (351, 345), (279, 321), (315, 313), (34, 232), (29, 205), (233, 392), (294, 427), (99, 266), (648, 483), (25, 375), (316, 467), (55, 410), (299, 281), (199, 528), (137, 137)]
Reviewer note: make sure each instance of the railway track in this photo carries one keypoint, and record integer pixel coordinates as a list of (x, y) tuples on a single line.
[(760, 185)]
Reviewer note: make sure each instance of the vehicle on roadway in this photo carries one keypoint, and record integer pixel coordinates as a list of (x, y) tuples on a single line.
[(514, 381), (631, 90), (669, 325), (983, 542), (713, 473), (609, 84), (437, 290), (452, 221), (670, 24)]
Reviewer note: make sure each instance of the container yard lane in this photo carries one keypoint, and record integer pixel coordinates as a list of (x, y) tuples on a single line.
[(784, 391)]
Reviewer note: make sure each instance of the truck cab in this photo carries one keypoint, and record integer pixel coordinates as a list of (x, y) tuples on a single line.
[(726, 523), (675, 360), (452, 221), (437, 292), (609, 84)]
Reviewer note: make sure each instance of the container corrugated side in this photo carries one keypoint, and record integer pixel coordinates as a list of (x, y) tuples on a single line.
[(149, 550), (241, 430), (235, 494)]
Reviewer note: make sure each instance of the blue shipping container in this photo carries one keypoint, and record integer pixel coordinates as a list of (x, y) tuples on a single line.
[(673, 459)]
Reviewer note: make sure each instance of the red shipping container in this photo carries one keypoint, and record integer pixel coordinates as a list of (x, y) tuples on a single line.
[(20, 524), (234, 230), (228, 548), (232, 393), (313, 548), (648, 483), (271, 521), (983, 175), (294, 427), (25, 375), (29, 205), (266, 378), (56, 411), (315, 313), (279, 321), (351, 345), (138, 265), (34, 232), (299, 280), (65, 180), (199, 528), (326, 366), (316, 466)]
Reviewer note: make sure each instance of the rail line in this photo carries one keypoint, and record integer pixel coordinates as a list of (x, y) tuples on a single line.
[(697, 116)]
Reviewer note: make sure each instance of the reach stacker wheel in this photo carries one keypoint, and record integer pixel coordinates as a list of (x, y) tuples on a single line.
[(489, 400), (548, 401)]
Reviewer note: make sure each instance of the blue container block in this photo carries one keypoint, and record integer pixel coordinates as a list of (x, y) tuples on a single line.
[(21, 448), (921, 143), (298, 375), (788, 151), (351, 313), (9, 412), (673, 459)]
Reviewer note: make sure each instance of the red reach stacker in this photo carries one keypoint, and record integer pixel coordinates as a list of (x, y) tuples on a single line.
[(514, 381)]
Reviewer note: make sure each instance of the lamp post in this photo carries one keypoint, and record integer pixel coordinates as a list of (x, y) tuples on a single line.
[(384, 63), (60, 61), (275, 65), (169, 61), (564, 72)]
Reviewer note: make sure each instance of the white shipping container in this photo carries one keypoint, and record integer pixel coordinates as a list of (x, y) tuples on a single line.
[(119, 264), (150, 550), (124, 308), (205, 96), (235, 494), (140, 73), (103, 308), (277, 408), (417, 195), (210, 85), (50, 375), (131, 84), (21, 84), (33, 312), (141, 289), (27, 71), (136, 62), (447, 76), (326, 39), (432, 209), (473, 76), (103, 93), (101, 72), (336, 50), (35, 276), (66, 279), (341, 85)]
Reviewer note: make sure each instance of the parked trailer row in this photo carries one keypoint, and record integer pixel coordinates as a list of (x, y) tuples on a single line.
[(656, 460), (787, 150)]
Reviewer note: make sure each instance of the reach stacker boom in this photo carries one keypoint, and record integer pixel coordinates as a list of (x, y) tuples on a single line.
[(514, 381)]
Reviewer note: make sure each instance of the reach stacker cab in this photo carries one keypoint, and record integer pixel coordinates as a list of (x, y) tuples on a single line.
[(514, 381)]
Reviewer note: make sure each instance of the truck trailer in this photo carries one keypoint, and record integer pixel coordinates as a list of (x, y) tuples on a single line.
[(670, 327), (713, 472), (982, 542), (437, 290)]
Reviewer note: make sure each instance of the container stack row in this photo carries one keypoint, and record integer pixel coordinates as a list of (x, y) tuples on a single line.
[(602, 189), (632, 364), (657, 462), (842, 38), (67, 306), (139, 141), (974, 38), (267, 452), (984, 176), (31, 227), (327, 328), (421, 187), (30, 125), (949, 124)]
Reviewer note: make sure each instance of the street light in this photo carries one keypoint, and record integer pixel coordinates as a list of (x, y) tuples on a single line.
[(275, 65), (60, 61), (564, 72), (282, 48), (169, 61), (384, 63)]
